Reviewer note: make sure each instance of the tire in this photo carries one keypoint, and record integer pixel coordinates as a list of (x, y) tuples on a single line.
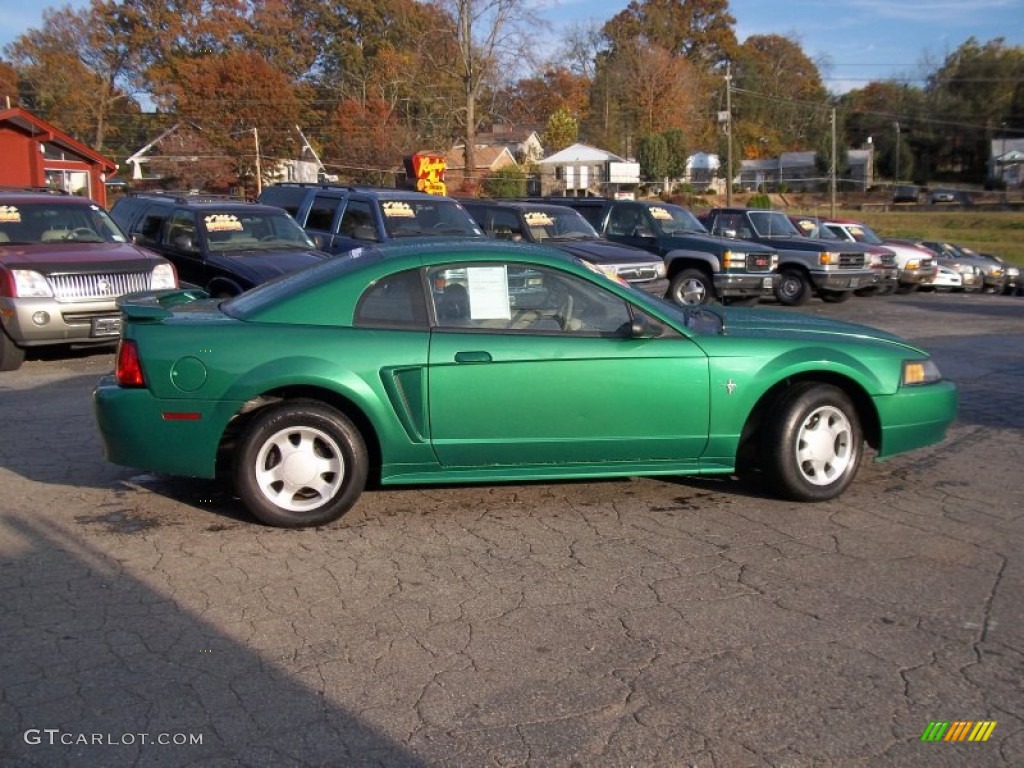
[(812, 443), (835, 297), (792, 288), (327, 472), (11, 355), (691, 287), (886, 290)]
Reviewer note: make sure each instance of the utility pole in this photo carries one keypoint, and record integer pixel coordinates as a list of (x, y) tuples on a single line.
[(259, 171), (728, 134), (832, 173), (896, 170)]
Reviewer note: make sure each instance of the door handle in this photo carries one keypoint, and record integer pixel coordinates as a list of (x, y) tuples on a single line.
[(473, 357)]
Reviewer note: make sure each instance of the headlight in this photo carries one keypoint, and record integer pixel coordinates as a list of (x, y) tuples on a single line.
[(733, 260), (29, 283), (163, 277), (662, 271), (920, 372), (828, 257)]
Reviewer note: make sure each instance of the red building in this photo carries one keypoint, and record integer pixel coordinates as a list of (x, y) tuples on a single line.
[(34, 153)]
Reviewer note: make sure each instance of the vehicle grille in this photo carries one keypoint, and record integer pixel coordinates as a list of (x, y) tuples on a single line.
[(851, 260), (759, 262), (635, 274), (89, 287), (888, 260)]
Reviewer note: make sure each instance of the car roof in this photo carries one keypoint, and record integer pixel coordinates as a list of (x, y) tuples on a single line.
[(206, 202), (26, 196), (385, 193)]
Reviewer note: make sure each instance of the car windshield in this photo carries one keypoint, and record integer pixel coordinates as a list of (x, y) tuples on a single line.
[(816, 229), (772, 224), (55, 223), (674, 220), (229, 230), (557, 223), (427, 218), (863, 234)]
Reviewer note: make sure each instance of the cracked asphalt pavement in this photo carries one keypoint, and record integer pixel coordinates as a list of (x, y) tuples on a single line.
[(148, 621)]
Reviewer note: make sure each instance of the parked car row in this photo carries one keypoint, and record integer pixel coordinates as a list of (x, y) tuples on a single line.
[(64, 261)]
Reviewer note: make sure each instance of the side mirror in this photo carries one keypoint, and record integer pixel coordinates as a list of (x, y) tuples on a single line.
[(641, 329)]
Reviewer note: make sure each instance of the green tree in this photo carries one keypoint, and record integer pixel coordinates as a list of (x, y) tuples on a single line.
[(509, 181), (675, 144), (561, 131), (652, 153), (700, 31)]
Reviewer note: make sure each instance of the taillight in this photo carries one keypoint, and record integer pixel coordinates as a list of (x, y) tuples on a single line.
[(128, 369)]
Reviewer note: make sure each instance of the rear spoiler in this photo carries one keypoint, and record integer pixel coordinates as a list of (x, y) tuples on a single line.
[(157, 305)]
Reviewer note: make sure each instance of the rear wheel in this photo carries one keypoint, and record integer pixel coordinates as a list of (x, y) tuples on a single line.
[(300, 464), (691, 287), (792, 288), (11, 355), (812, 443)]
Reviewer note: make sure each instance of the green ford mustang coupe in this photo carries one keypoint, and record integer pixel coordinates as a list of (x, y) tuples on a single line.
[(487, 362)]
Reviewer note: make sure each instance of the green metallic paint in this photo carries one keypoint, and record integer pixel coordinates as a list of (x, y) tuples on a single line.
[(519, 408)]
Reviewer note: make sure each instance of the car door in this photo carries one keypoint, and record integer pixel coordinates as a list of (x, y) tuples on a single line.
[(530, 366), (180, 243)]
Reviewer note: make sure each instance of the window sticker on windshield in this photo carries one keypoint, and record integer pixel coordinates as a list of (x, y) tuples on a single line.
[(488, 293), (397, 209), (806, 225), (660, 213), (10, 213), (222, 222), (856, 231), (538, 219)]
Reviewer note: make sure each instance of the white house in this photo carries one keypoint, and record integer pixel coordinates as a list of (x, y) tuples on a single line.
[(582, 169)]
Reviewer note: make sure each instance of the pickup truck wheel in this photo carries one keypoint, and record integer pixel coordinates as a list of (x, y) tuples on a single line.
[(300, 464), (792, 288), (11, 355), (835, 297), (812, 443), (691, 287)]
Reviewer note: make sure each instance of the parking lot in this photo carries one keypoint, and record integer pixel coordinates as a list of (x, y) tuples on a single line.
[(644, 622)]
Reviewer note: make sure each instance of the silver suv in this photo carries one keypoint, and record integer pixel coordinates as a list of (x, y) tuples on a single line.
[(63, 263)]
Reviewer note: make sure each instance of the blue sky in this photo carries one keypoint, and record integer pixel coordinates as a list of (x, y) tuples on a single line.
[(862, 40)]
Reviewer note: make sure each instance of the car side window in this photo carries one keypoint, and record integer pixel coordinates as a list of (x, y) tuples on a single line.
[(516, 298), (505, 225), (357, 221), (181, 232), (321, 213), (395, 302), (148, 227)]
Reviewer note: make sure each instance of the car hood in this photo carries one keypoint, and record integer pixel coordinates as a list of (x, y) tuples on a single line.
[(604, 252), (264, 265), (56, 257), (739, 321)]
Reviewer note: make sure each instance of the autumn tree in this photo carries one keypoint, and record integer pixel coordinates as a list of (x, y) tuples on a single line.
[(778, 95), (701, 31), (8, 86), (78, 70), (487, 37), (531, 101)]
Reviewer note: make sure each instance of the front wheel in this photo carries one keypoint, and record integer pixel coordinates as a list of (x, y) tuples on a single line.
[(300, 464), (691, 287), (792, 288), (11, 355), (812, 443)]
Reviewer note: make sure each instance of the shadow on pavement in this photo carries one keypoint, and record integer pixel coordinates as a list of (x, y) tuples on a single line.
[(99, 667)]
